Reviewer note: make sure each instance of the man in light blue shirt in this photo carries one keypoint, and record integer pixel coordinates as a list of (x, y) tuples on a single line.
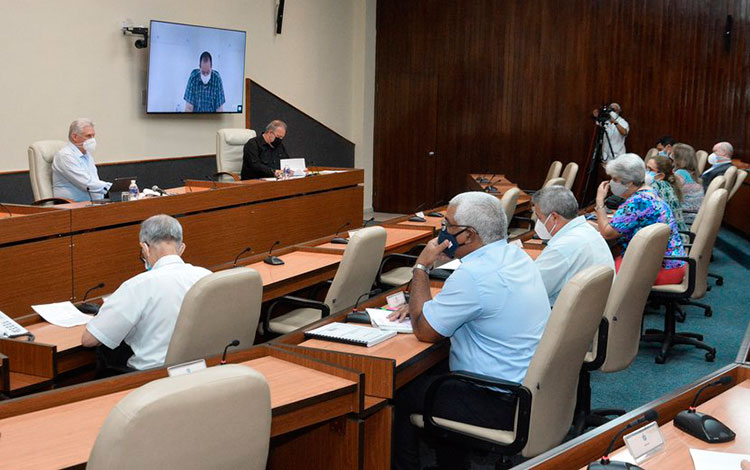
[(74, 174), (573, 243), (493, 308)]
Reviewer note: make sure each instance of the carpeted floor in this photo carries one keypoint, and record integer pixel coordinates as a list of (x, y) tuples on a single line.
[(645, 380)]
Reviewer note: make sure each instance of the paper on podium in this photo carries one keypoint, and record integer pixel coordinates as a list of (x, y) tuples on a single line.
[(379, 319), (296, 165), (710, 460), (62, 314)]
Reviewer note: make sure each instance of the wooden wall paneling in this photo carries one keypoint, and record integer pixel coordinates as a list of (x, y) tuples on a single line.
[(378, 438), (325, 446)]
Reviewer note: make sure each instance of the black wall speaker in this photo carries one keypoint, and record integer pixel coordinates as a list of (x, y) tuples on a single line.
[(279, 16)]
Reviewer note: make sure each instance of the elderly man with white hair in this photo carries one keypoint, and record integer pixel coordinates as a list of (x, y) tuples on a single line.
[(720, 160), (74, 174), (143, 311), (493, 308), (573, 244), (642, 207)]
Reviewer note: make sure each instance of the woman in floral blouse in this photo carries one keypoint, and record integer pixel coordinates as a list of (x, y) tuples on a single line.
[(642, 207)]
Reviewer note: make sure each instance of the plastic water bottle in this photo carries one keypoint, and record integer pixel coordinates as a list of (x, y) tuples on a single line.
[(133, 189)]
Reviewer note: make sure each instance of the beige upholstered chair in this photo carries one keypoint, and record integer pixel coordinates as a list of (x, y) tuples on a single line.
[(515, 232), (553, 172), (218, 309), (730, 176), (509, 201), (569, 174), (693, 285), (229, 151), (547, 396), (214, 418), (715, 184), (354, 278), (619, 336), (652, 152), (41, 155), (741, 175), (702, 158)]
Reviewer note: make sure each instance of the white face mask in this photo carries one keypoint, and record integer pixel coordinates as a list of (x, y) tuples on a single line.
[(90, 145), (713, 159), (205, 78), (649, 178), (618, 189), (541, 229)]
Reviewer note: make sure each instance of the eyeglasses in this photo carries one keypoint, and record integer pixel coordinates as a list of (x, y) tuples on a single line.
[(445, 225)]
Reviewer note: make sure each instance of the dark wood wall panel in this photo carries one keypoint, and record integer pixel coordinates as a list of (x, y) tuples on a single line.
[(510, 85)]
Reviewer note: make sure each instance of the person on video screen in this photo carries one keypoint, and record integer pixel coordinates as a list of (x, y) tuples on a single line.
[(204, 92)]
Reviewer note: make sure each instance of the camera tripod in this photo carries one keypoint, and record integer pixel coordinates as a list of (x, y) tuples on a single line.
[(588, 195)]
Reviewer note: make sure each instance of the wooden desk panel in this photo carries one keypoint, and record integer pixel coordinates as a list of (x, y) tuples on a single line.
[(396, 238), (64, 338), (31, 222), (301, 269)]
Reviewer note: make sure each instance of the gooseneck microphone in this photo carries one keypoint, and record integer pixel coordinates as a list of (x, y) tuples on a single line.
[(187, 186), (159, 190), (5, 208), (415, 217), (233, 344), (358, 316), (605, 463), (370, 220), (436, 213), (213, 180), (703, 426), (237, 258), (490, 188), (86, 307), (273, 260), (340, 240)]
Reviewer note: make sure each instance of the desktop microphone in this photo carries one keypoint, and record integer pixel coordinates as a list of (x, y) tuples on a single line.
[(358, 316), (86, 307), (340, 240), (5, 208), (213, 180), (371, 219), (89, 193), (436, 213), (605, 463), (703, 426), (233, 344), (489, 188), (237, 258), (159, 190), (187, 186), (481, 179), (415, 217), (273, 260)]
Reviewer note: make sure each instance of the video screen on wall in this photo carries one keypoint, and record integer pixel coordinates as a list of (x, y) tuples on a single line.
[(195, 69)]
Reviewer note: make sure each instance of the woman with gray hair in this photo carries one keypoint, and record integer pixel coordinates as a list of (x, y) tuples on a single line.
[(642, 207)]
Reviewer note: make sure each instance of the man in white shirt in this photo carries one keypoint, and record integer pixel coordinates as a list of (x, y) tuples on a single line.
[(74, 174), (143, 311), (617, 130), (573, 244)]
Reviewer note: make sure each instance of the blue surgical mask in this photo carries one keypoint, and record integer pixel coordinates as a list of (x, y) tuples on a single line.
[(443, 235), (663, 153), (650, 175)]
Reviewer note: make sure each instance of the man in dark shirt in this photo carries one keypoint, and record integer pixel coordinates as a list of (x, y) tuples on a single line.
[(262, 153), (720, 160)]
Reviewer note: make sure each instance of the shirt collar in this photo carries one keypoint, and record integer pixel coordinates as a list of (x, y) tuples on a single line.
[(573, 223), (167, 260), (481, 250), (75, 150)]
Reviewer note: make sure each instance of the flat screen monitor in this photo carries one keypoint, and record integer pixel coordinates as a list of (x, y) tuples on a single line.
[(195, 69)]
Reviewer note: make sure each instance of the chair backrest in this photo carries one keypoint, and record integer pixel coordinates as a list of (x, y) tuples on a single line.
[(216, 310), (509, 201), (730, 176), (358, 268), (705, 237), (569, 174), (552, 376), (652, 152), (741, 175), (229, 149), (554, 171), (630, 290), (555, 182), (715, 184), (214, 418), (702, 158), (41, 155)]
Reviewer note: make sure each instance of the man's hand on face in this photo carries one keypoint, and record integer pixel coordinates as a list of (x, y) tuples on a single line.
[(432, 251)]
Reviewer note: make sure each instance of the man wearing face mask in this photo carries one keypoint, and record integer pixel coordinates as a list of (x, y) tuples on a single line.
[(573, 244), (664, 146), (143, 311), (74, 174), (493, 308), (720, 160), (262, 154), (204, 92)]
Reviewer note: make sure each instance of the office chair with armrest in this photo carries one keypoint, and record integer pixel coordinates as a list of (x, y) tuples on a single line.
[(693, 285), (702, 159), (553, 172), (619, 335), (730, 176), (652, 152), (569, 174), (229, 151), (214, 418), (509, 201), (216, 310), (354, 277), (716, 183), (400, 275), (547, 395), (741, 175), (41, 155), (515, 232)]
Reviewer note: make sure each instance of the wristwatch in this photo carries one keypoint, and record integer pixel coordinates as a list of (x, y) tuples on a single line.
[(421, 267)]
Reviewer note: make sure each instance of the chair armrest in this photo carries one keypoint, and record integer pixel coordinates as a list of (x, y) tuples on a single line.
[(53, 200), (392, 256), (225, 173), (691, 278), (298, 302), (601, 346), (516, 389), (690, 235)]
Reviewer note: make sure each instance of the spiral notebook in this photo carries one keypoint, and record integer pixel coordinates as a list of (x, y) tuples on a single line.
[(350, 334)]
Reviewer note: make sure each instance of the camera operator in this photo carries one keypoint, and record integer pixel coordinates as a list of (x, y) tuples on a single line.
[(616, 128)]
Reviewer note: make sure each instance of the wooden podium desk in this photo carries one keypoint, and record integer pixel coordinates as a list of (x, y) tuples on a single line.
[(310, 426), (727, 403)]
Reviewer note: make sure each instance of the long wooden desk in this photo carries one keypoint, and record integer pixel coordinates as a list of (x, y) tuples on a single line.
[(500, 184), (58, 429)]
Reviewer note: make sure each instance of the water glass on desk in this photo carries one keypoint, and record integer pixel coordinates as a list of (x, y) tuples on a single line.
[(125, 196)]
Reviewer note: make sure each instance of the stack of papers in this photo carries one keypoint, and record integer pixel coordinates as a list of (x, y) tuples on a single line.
[(63, 314), (379, 319), (709, 460)]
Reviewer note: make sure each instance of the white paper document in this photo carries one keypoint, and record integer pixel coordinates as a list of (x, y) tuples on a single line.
[(62, 314), (379, 319), (295, 165), (330, 172), (451, 265), (710, 460)]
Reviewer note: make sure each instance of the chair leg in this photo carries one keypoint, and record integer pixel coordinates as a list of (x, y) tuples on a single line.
[(719, 279), (669, 337), (707, 311)]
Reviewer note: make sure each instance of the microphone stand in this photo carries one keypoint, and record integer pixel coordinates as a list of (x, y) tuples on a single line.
[(273, 260), (340, 240)]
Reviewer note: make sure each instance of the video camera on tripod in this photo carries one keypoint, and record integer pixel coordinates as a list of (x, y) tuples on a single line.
[(604, 114)]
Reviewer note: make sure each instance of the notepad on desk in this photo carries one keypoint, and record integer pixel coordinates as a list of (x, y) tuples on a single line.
[(350, 334), (379, 319)]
